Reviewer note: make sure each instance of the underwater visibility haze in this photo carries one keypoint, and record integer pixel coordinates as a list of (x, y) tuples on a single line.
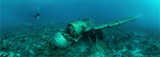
[(79, 28)]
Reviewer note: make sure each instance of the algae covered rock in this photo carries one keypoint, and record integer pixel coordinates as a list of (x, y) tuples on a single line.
[(9, 54)]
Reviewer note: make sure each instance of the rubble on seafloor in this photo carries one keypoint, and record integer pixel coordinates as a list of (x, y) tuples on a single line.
[(32, 41)]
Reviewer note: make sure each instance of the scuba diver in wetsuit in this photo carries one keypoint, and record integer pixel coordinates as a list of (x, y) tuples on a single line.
[(36, 16)]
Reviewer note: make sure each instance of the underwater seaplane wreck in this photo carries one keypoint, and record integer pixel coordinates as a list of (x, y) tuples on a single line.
[(84, 28)]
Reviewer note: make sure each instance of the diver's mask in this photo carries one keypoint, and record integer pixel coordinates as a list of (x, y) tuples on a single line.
[(60, 40)]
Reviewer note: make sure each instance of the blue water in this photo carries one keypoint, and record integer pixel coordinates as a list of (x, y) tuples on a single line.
[(15, 12), (21, 33)]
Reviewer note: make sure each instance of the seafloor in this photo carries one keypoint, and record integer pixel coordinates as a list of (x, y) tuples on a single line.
[(32, 40)]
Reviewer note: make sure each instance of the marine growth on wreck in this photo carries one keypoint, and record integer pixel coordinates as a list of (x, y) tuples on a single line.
[(79, 28)]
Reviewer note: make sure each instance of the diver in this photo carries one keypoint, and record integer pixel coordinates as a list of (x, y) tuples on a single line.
[(83, 28), (37, 15)]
